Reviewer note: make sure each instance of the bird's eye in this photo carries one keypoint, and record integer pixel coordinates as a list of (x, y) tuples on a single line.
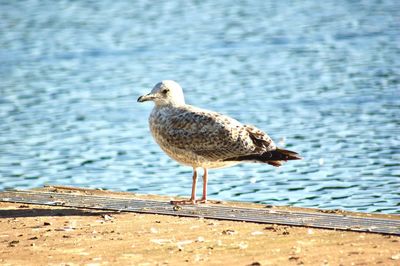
[(165, 91)]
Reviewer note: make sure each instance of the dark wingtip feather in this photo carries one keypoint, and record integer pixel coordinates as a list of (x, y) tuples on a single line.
[(275, 157), (289, 155)]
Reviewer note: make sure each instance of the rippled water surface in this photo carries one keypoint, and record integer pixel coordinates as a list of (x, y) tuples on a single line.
[(322, 78)]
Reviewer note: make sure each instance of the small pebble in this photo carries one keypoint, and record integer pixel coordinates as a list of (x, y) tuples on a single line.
[(177, 208), (395, 257), (243, 245), (271, 227), (13, 243), (107, 217), (228, 232), (200, 239)]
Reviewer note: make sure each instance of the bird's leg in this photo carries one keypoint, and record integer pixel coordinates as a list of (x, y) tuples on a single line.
[(192, 199), (194, 183), (204, 198)]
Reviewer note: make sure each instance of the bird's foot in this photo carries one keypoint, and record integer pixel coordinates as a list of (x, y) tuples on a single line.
[(201, 201), (188, 202)]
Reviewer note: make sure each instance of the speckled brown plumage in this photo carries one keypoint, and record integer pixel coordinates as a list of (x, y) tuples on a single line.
[(201, 138)]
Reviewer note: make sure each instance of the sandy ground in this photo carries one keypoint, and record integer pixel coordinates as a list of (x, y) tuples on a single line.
[(43, 235)]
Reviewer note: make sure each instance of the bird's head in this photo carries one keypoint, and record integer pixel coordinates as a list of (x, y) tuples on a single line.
[(166, 92)]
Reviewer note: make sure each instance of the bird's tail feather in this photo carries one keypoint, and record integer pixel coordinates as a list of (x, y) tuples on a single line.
[(275, 157), (283, 154)]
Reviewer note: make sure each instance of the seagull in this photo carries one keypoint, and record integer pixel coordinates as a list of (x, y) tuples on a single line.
[(205, 139)]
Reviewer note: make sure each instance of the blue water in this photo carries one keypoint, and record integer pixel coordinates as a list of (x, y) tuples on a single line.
[(322, 78)]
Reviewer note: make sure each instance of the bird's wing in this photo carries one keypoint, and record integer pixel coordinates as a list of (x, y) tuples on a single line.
[(213, 136)]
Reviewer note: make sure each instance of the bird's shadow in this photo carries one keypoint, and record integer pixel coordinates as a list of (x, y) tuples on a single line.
[(37, 212)]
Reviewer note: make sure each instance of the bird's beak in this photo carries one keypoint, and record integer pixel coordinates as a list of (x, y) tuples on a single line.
[(147, 97)]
